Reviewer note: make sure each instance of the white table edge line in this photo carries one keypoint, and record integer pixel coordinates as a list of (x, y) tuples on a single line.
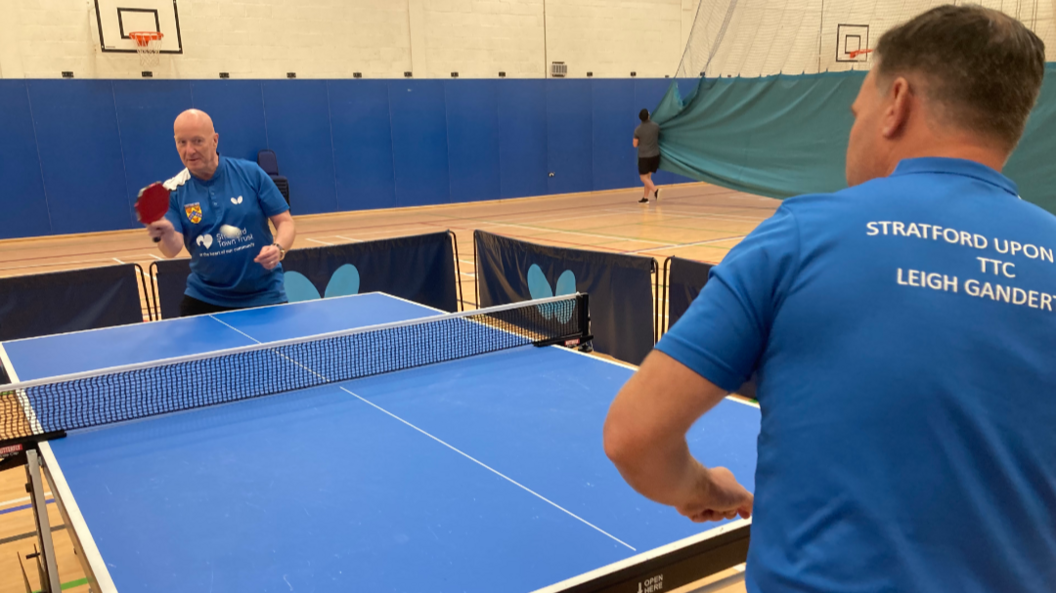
[(80, 526), (644, 556)]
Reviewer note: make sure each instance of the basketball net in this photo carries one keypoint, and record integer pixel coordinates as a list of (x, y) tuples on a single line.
[(148, 46)]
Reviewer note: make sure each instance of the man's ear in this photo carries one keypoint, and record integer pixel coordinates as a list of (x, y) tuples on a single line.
[(899, 102)]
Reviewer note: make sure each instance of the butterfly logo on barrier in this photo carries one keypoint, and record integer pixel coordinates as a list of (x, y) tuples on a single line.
[(539, 288), (343, 282)]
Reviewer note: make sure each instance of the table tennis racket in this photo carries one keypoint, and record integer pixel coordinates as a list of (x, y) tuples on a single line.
[(152, 204)]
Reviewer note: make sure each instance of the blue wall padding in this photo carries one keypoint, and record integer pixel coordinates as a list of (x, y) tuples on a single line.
[(80, 155), (76, 152), (615, 117), (237, 109), (362, 133), (570, 142), (145, 113), (25, 208), (473, 140), (298, 119), (522, 138), (419, 142)]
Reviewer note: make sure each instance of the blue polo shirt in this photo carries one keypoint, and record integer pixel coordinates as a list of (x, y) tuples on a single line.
[(223, 272), (903, 333)]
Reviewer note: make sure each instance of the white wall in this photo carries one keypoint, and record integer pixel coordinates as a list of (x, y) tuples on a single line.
[(764, 37), (380, 38)]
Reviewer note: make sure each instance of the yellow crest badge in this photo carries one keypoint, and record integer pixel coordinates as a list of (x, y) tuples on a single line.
[(194, 212)]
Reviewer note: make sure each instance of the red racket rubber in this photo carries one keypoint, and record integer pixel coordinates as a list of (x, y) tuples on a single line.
[(152, 204)]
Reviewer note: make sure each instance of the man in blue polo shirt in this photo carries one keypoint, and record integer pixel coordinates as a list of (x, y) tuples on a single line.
[(901, 334), (219, 210)]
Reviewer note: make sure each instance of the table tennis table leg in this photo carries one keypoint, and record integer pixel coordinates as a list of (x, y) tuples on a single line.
[(50, 572), (78, 548)]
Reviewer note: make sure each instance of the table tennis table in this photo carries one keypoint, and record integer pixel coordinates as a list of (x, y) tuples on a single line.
[(482, 474)]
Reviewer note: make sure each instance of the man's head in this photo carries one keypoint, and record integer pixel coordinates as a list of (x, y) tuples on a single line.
[(954, 81), (196, 142), (643, 115)]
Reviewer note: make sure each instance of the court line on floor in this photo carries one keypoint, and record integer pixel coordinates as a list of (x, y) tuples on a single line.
[(22, 536), (18, 500), (527, 201), (687, 244), (320, 242), (65, 263), (562, 231), (614, 239), (24, 507), (718, 217), (142, 273)]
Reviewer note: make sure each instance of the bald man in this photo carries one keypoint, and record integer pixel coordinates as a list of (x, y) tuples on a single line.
[(234, 270)]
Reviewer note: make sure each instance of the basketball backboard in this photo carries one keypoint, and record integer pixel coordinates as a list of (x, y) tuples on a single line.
[(851, 39), (117, 18)]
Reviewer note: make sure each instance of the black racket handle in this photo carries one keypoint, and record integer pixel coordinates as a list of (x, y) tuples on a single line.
[(157, 239)]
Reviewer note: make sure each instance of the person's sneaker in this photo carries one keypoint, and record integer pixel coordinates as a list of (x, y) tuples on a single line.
[(644, 200), (656, 194)]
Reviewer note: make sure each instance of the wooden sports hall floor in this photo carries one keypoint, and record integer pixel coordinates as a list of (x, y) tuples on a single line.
[(694, 221)]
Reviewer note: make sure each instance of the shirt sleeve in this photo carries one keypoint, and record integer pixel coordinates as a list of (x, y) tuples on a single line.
[(726, 328), (271, 199), (174, 215)]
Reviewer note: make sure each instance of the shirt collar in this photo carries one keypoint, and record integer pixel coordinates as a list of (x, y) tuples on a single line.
[(216, 174), (961, 167)]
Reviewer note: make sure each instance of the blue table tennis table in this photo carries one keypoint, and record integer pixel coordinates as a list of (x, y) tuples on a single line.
[(485, 474)]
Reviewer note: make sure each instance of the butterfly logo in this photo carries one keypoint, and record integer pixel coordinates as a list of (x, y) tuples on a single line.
[(539, 288), (205, 240), (236, 201), (344, 282)]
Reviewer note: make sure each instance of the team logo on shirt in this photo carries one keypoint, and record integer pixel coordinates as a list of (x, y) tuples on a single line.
[(194, 212)]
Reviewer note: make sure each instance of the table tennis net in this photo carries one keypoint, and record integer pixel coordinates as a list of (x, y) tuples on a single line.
[(38, 410)]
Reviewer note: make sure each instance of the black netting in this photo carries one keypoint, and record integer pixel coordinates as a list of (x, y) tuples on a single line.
[(275, 368)]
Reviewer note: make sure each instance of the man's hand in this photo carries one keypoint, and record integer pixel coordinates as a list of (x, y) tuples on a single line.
[(159, 229), (716, 496), (169, 240), (645, 438), (268, 257)]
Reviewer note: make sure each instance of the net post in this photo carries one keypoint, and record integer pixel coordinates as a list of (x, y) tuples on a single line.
[(583, 302)]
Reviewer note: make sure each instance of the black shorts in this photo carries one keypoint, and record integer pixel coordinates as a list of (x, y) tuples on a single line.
[(191, 306), (649, 164)]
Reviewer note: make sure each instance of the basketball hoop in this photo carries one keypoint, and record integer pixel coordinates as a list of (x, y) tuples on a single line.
[(859, 52), (148, 46)]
